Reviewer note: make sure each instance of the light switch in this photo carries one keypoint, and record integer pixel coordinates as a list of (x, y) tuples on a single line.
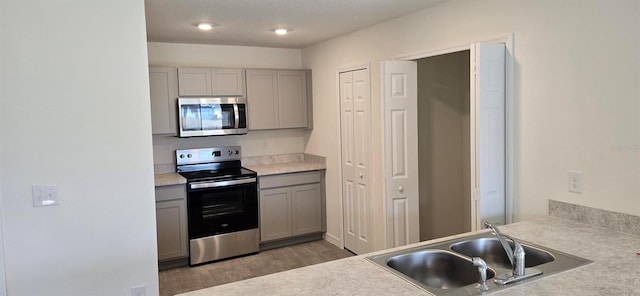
[(45, 195)]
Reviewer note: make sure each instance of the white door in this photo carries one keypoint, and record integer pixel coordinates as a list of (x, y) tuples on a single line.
[(355, 117), (401, 152), (488, 141)]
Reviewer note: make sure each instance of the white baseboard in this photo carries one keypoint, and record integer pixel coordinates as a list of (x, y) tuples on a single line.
[(333, 240)]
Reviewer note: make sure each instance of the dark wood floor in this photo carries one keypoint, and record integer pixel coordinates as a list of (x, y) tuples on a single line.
[(184, 279)]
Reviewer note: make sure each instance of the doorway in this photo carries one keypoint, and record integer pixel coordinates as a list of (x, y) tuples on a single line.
[(443, 145), (486, 189)]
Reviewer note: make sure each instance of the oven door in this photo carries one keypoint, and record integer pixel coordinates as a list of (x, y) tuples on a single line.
[(222, 207)]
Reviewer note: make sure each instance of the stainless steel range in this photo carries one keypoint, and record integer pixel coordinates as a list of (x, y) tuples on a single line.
[(222, 203)]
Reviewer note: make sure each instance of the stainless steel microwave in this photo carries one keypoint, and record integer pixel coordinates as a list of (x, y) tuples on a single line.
[(212, 116)]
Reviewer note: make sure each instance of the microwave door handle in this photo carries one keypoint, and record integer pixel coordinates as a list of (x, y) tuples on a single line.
[(236, 115)]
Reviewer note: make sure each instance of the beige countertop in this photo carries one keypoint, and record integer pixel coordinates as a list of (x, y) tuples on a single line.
[(167, 179), (263, 165), (283, 164), (615, 271)]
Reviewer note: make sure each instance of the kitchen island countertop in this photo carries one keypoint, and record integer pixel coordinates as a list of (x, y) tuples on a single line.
[(615, 270)]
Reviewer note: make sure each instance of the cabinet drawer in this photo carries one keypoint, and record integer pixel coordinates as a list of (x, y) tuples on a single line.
[(171, 192), (290, 179)]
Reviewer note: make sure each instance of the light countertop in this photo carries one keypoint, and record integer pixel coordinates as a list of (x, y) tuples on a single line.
[(615, 271), (167, 179), (263, 165)]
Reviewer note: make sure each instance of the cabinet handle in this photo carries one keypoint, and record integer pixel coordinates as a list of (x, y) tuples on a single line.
[(400, 189), (361, 176)]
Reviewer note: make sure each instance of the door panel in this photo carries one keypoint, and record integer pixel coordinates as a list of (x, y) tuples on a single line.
[(400, 221), (262, 89), (275, 214), (355, 110), (401, 148), (489, 99)]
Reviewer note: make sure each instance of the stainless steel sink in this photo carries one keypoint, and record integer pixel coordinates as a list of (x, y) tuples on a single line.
[(445, 268), (437, 268), (492, 252)]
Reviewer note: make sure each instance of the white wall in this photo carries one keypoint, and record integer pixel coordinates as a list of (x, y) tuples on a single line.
[(578, 83), (255, 143), (75, 113)]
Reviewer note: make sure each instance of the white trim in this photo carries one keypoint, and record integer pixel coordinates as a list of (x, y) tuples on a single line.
[(511, 189), (383, 176), (353, 68), (432, 53), (339, 241)]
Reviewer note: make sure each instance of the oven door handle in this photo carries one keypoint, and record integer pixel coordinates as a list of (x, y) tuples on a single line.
[(209, 184)]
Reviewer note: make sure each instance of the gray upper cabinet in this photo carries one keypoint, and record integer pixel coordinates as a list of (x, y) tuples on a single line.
[(211, 82), (163, 87), (278, 99)]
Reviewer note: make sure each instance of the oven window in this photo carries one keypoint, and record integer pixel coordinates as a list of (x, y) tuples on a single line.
[(220, 204), (222, 209)]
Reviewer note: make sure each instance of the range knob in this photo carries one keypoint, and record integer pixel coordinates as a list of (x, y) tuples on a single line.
[(230, 152), (181, 155), (237, 152), (189, 155)]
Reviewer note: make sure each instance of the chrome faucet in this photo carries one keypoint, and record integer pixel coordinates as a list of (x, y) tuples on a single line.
[(516, 256), (482, 270)]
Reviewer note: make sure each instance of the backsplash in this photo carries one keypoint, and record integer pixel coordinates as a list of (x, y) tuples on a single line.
[(282, 158), (597, 217)]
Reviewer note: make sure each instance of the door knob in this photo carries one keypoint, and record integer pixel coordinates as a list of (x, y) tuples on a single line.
[(400, 189)]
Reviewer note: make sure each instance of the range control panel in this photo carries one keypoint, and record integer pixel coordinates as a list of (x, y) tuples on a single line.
[(207, 155)]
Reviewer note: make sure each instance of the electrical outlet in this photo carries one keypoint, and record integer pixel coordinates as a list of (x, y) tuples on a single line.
[(575, 181), (139, 291), (44, 195)]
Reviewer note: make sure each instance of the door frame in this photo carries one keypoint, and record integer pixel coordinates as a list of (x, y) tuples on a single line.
[(339, 241), (511, 189)]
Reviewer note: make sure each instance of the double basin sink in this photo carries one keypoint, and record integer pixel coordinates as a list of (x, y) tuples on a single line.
[(446, 268)]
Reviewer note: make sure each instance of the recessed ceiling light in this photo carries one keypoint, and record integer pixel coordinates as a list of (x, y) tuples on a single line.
[(281, 31), (205, 26)]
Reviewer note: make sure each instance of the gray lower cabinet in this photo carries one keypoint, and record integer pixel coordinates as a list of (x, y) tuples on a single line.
[(171, 222), (290, 205)]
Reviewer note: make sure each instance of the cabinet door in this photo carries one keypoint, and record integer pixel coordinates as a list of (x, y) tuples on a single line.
[(171, 226), (163, 85), (292, 99), (306, 208), (194, 81), (275, 214), (262, 87), (228, 82)]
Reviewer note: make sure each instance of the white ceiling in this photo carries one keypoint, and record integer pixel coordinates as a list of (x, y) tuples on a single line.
[(250, 22)]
